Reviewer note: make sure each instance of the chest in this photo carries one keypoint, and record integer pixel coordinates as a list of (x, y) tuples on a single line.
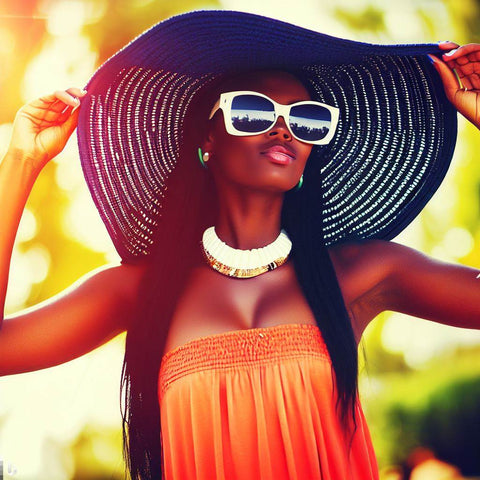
[(213, 303)]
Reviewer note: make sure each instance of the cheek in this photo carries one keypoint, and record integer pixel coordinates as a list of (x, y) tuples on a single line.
[(236, 154)]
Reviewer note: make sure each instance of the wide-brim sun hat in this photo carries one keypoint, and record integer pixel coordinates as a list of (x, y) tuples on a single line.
[(392, 148)]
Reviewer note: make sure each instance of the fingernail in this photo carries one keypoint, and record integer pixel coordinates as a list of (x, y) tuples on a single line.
[(74, 108), (451, 52), (84, 92)]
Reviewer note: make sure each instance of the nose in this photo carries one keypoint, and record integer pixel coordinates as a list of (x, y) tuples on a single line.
[(280, 129)]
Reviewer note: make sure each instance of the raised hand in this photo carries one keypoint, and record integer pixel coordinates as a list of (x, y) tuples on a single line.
[(43, 126), (459, 70)]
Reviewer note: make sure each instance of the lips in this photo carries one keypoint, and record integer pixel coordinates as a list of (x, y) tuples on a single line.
[(279, 154)]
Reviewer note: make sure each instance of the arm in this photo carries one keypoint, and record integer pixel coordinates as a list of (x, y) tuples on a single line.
[(378, 275), (91, 311), (423, 287), (41, 130)]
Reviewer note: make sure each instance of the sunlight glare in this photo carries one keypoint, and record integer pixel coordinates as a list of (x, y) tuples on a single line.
[(28, 226), (7, 43), (26, 269), (5, 134), (68, 174), (62, 63), (19, 282), (458, 242), (443, 203), (440, 253), (421, 340), (38, 258), (402, 23), (83, 223), (66, 18), (309, 13)]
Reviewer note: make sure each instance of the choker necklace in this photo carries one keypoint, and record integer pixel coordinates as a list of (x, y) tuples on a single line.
[(244, 263)]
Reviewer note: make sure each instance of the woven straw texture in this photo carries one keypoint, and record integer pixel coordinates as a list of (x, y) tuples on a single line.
[(394, 142)]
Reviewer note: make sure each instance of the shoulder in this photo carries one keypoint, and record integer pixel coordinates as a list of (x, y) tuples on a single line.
[(366, 271), (374, 257), (121, 277), (128, 279), (368, 259), (119, 284)]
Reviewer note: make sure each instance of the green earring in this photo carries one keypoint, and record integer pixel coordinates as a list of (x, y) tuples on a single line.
[(200, 156), (203, 157), (299, 184)]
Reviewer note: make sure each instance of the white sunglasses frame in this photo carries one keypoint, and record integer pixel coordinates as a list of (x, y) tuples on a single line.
[(224, 103)]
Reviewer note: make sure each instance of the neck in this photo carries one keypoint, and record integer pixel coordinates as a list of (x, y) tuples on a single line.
[(247, 221)]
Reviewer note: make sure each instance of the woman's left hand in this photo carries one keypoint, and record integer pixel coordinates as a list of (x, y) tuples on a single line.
[(464, 91)]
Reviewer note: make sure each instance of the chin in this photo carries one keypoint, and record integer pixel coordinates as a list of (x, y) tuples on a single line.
[(277, 187)]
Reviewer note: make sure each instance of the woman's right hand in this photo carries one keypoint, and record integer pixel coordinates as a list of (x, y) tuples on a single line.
[(43, 126)]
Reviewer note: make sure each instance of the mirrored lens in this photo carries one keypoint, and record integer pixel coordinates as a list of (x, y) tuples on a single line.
[(310, 122), (251, 113)]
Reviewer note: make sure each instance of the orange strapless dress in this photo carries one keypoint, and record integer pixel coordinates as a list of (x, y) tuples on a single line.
[(257, 404)]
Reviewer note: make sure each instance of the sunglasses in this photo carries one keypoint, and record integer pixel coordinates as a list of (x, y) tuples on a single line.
[(251, 113)]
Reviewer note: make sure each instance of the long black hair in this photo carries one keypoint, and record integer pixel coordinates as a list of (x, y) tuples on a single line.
[(191, 207)]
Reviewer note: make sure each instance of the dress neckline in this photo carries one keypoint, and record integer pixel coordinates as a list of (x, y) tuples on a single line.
[(237, 332), (242, 348)]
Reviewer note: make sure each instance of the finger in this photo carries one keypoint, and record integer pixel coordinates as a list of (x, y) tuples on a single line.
[(76, 92), (460, 60), (469, 74), (466, 68), (53, 109), (70, 123), (48, 110), (448, 78), (465, 83), (67, 98), (470, 48), (447, 45), (470, 80), (65, 109), (49, 104), (474, 56), (474, 80)]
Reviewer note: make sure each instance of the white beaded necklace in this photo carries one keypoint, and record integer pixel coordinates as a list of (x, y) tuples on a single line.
[(244, 263)]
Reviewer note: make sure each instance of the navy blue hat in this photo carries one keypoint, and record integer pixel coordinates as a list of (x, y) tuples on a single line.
[(392, 148)]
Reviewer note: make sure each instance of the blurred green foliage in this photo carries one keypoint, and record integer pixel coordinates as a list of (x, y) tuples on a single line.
[(450, 424), (369, 18), (24, 37), (436, 407), (97, 454)]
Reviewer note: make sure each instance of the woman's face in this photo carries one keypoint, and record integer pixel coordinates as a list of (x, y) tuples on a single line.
[(271, 161)]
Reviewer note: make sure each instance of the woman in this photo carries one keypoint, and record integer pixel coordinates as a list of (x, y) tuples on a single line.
[(251, 356)]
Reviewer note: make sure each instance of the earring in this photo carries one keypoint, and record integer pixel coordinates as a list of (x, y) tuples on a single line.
[(203, 157), (299, 184)]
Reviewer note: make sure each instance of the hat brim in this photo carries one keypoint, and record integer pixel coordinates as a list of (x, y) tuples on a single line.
[(394, 142)]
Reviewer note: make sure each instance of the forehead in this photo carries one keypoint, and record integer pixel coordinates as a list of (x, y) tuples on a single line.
[(279, 85)]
